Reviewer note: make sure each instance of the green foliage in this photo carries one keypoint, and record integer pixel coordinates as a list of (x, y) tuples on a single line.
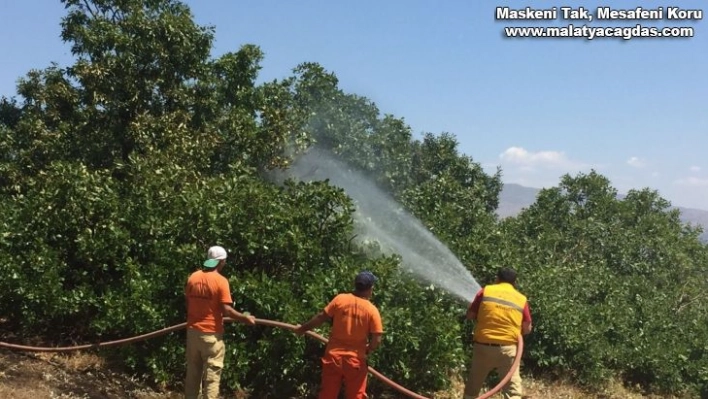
[(119, 171), (423, 343), (615, 284)]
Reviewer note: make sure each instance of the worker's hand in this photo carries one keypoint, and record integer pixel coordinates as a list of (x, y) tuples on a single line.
[(299, 330), (249, 319)]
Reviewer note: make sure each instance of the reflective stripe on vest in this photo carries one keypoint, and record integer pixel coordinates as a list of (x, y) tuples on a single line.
[(500, 315), (503, 302)]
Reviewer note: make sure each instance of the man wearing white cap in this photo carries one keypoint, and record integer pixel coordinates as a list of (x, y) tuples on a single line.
[(208, 300)]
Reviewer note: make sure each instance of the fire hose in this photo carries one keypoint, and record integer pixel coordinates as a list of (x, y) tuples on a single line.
[(264, 322)]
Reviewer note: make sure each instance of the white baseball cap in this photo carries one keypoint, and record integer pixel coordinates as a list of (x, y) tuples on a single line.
[(214, 255)]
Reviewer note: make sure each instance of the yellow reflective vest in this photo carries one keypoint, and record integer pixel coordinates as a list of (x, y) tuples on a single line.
[(500, 315)]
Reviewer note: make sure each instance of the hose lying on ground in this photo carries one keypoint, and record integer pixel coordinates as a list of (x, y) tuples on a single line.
[(264, 322)]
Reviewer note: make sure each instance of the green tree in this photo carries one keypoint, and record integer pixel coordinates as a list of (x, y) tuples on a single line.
[(606, 277), (117, 173)]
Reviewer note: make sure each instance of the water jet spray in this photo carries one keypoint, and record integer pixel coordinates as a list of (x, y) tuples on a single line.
[(380, 218)]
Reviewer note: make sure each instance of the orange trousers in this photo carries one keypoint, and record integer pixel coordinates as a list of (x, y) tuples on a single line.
[(349, 370)]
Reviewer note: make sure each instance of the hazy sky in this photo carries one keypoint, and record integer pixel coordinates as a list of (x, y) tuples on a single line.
[(537, 107)]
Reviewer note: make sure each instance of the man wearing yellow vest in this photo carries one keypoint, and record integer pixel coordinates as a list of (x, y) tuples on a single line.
[(502, 314)]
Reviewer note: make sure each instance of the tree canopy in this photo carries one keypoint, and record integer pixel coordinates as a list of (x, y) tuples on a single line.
[(119, 171)]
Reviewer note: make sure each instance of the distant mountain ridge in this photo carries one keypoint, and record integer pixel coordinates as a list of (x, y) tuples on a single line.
[(515, 197)]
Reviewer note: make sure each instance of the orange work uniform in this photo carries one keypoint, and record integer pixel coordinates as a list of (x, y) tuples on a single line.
[(353, 319), (205, 292)]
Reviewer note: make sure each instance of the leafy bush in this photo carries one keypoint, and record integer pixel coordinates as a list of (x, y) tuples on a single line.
[(610, 282), (118, 172)]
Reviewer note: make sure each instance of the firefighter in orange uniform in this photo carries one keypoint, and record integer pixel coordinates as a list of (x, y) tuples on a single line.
[(356, 332)]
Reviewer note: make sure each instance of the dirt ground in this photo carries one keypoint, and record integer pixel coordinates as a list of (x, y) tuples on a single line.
[(86, 376), (82, 376)]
